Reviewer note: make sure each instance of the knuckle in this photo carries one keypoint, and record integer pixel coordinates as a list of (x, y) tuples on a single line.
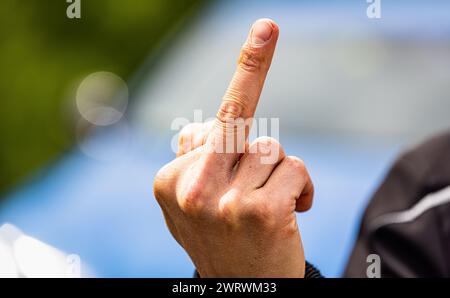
[(268, 141), (228, 206), (296, 164), (290, 228), (191, 136), (191, 203), (162, 183), (250, 59), (194, 194), (184, 140), (227, 211), (187, 130), (187, 134), (232, 106), (265, 145)]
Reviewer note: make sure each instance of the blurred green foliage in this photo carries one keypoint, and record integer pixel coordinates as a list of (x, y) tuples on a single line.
[(43, 53)]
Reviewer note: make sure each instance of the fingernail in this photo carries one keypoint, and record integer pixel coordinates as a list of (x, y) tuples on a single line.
[(261, 32)]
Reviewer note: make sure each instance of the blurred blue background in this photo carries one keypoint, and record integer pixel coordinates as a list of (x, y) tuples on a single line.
[(351, 93)]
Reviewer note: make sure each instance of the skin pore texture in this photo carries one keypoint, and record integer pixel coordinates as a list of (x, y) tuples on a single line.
[(233, 214)]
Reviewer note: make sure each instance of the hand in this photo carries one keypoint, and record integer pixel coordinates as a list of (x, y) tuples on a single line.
[(233, 214)]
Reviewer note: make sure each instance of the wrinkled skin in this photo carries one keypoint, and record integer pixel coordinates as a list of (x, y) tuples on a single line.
[(233, 214)]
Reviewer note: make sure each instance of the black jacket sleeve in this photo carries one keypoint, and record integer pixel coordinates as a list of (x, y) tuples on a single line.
[(407, 222), (310, 272)]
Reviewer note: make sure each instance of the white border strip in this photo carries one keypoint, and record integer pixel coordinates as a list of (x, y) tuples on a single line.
[(428, 202)]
